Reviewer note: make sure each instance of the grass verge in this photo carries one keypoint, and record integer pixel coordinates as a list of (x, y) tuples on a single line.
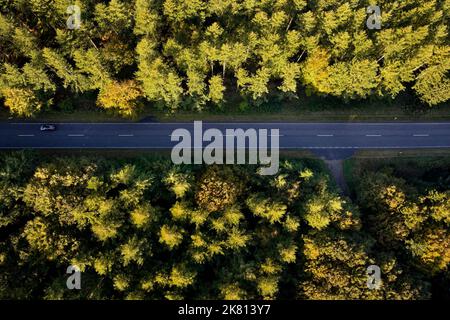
[(415, 164), (303, 109)]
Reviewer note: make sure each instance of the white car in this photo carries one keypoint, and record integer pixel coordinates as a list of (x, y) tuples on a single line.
[(48, 127)]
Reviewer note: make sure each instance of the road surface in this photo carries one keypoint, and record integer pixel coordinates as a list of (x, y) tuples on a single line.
[(334, 140)]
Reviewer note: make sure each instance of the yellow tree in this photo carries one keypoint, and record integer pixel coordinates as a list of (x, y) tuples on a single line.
[(121, 97)]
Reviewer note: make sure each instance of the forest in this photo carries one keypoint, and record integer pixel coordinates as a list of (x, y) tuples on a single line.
[(196, 54), (141, 227)]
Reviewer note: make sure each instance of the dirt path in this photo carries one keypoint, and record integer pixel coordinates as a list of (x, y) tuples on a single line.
[(337, 170)]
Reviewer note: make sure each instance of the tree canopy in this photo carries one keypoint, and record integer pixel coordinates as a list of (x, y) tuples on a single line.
[(143, 228), (194, 54)]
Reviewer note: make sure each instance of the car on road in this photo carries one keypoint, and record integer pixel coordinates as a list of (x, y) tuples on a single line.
[(48, 127)]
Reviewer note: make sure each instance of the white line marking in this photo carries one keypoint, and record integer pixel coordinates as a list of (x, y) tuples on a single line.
[(373, 135), (228, 135), (325, 135), (75, 135), (421, 135), (383, 147), (26, 135), (270, 135), (126, 135)]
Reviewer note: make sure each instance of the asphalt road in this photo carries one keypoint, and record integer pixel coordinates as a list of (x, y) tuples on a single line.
[(334, 140)]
